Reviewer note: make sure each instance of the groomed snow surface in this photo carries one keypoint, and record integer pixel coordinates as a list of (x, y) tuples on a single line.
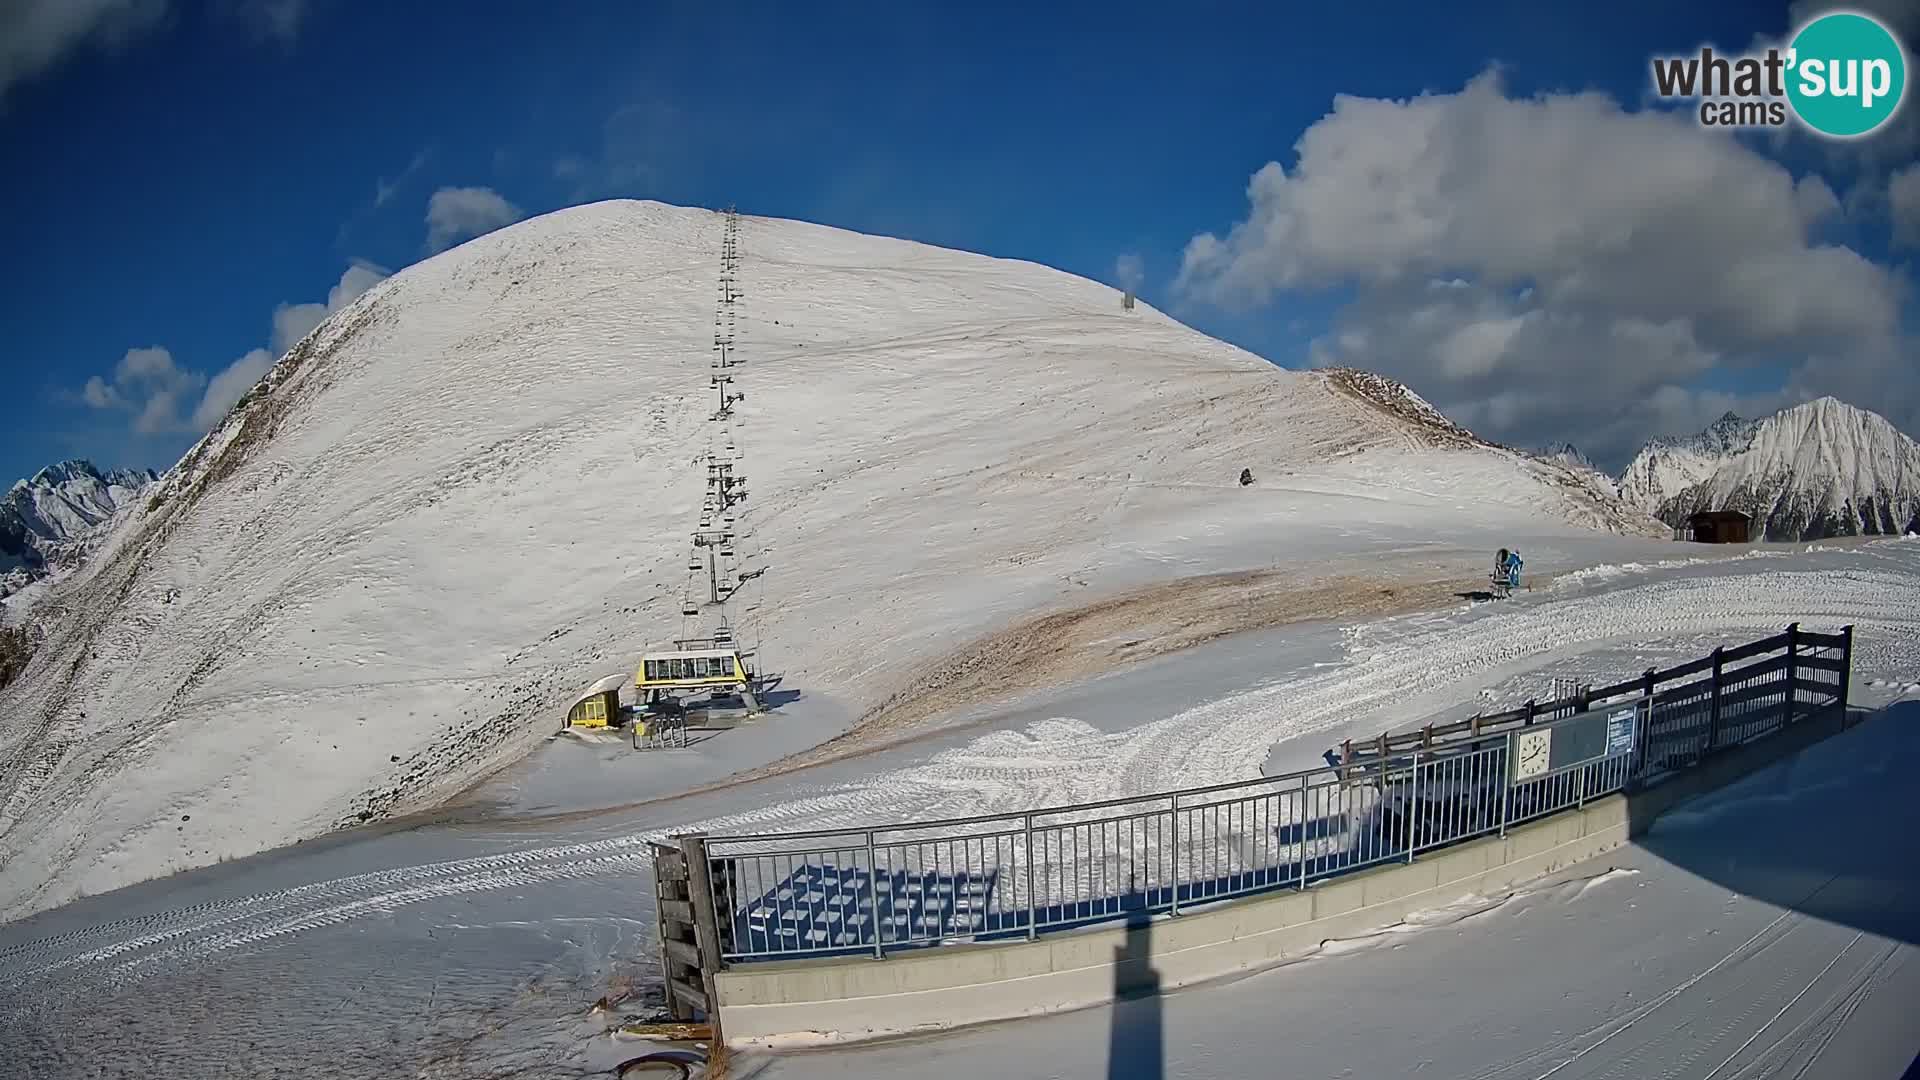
[(475, 949), (1761, 931), (468, 494)]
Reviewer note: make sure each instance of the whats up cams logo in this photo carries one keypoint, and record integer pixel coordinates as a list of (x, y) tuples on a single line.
[(1842, 75)]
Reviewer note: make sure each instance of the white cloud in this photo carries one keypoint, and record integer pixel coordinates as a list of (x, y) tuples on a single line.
[(163, 398), (230, 386), (1129, 272), (291, 322), (35, 35), (1903, 197), (149, 386), (1591, 257), (461, 213), (277, 20)]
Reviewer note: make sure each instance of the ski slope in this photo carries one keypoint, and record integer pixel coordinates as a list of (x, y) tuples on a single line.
[(468, 493), (476, 948)]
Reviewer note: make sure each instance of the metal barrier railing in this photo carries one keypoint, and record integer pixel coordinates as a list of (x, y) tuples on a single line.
[(911, 885)]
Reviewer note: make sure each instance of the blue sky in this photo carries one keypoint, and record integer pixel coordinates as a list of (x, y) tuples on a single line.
[(177, 171)]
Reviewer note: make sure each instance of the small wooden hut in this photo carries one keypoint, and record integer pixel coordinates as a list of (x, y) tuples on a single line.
[(1720, 527)]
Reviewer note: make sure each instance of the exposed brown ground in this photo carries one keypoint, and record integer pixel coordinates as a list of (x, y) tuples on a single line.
[(1063, 646)]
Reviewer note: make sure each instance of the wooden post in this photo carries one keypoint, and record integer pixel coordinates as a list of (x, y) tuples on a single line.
[(1713, 717), (1846, 669), (1793, 671), (706, 924)]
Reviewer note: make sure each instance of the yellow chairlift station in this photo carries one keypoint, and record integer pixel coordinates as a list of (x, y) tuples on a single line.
[(691, 669), (694, 665)]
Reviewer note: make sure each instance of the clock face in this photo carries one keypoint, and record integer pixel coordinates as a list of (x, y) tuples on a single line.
[(1532, 751)]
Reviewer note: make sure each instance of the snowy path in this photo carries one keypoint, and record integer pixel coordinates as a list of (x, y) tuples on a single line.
[(1746, 937)]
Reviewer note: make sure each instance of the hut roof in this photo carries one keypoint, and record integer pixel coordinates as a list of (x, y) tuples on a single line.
[(1720, 515), (600, 686)]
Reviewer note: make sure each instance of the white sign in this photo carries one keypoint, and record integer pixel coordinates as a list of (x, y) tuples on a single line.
[(1620, 731)]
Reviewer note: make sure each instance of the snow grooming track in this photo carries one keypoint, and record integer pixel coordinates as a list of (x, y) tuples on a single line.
[(1055, 761), (1064, 760), (202, 930)]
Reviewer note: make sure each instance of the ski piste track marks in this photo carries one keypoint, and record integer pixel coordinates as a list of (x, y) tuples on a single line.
[(1066, 760), (1056, 761), (1823, 1021)]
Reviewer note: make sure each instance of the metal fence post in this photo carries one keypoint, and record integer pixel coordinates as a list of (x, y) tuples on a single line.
[(1174, 813), (1793, 671), (1713, 717), (1846, 670), (1413, 802), (1033, 903), (1300, 819), (1506, 785), (873, 897), (1531, 710)]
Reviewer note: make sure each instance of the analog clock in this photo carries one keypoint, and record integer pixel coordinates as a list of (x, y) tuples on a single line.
[(1532, 750)]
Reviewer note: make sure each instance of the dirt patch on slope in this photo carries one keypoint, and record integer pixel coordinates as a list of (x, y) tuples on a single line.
[(1064, 646)]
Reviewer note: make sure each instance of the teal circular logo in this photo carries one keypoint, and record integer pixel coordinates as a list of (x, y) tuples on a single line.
[(1847, 74)]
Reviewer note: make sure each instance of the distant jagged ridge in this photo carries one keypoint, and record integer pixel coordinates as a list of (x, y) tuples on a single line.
[(1817, 470), (44, 518)]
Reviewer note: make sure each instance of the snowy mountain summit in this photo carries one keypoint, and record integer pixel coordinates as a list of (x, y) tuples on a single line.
[(469, 493), (1565, 453), (1666, 466), (45, 518), (1825, 468)]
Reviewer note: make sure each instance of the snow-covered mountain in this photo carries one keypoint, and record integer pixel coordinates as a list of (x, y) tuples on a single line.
[(468, 493), (1820, 469), (1667, 466), (44, 518), (1566, 454)]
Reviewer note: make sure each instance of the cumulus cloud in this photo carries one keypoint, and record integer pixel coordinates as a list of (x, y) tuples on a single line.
[(1129, 272), (228, 387), (1542, 267), (35, 35), (162, 398), (291, 322), (1903, 195), (149, 387), (461, 213)]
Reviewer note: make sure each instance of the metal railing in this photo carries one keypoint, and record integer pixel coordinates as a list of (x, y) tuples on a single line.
[(910, 885)]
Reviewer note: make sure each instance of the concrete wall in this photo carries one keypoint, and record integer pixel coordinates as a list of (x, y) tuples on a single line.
[(948, 986)]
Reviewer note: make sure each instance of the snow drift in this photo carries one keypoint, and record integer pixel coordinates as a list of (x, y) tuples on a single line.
[(468, 493), (1813, 471)]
